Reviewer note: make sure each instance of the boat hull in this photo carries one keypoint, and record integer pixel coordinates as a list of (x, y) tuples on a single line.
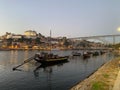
[(51, 60), (76, 54)]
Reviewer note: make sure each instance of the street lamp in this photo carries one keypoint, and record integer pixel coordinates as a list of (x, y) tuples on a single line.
[(118, 29)]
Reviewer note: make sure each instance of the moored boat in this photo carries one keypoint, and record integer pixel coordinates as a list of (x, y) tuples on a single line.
[(47, 58), (86, 55), (102, 52), (76, 54), (95, 53)]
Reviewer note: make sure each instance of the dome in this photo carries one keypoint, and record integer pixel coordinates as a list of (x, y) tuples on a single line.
[(30, 33)]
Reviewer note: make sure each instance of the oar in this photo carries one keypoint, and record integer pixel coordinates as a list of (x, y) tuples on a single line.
[(26, 61)]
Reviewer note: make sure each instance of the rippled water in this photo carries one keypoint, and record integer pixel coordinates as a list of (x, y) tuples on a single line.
[(32, 76)]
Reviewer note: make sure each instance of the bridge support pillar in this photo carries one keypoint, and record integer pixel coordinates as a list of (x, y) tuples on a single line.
[(113, 40)]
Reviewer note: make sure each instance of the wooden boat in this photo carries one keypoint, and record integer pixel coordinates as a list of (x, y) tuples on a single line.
[(86, 55), (47, 58), (76, 54), (102, 52), (95, 53)]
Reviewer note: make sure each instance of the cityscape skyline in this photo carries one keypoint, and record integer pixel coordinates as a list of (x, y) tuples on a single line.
[(70, 18)]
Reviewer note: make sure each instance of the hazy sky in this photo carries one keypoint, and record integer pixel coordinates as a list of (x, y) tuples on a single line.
[(71, 18)]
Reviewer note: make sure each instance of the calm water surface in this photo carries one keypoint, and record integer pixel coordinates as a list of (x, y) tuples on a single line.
[(32, 76)]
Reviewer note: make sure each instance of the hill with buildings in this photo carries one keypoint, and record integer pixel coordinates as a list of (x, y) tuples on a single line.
[(33, 40)]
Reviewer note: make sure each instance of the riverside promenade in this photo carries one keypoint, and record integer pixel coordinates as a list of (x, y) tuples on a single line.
[(105, 78), (117, 82)]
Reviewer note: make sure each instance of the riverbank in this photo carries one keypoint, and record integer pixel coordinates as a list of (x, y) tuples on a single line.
[(103, 79), (48, 49)]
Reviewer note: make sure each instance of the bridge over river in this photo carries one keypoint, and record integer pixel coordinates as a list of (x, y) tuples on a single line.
[(106, 39)]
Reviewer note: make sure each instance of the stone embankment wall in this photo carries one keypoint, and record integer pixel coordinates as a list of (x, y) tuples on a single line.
[(102, 79)]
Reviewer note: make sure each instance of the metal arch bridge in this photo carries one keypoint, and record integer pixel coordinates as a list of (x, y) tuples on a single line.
[(99, 37)]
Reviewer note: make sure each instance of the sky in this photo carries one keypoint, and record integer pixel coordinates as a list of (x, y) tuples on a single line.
[(70, 18)]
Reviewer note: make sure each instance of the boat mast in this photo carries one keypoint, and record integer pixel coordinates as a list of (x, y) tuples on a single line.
[(50, 42)]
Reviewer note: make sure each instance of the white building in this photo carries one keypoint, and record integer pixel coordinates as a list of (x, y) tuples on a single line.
[(13, 36)]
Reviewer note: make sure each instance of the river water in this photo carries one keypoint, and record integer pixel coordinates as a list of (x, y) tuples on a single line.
[(32, 76)]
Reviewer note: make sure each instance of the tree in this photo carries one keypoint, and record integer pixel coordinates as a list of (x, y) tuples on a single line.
[(9, 41), (37, 40)]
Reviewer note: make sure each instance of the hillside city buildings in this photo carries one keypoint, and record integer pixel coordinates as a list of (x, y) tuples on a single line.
[(33, 40)]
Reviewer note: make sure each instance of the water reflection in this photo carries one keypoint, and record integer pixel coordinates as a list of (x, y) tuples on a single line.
[(48, 71), (47, 67), (13, 57)]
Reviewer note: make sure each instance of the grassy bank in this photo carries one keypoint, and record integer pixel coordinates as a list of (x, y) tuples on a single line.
[(102, 79)]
